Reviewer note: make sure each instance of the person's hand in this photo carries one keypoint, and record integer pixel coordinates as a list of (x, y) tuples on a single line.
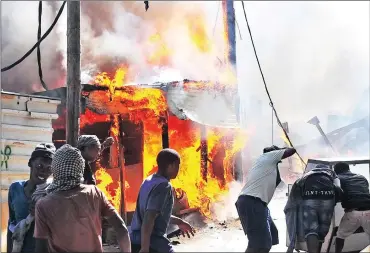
[(108, 142), (186, 228)]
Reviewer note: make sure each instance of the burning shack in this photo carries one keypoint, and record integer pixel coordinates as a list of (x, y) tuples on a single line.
[(143, 119)]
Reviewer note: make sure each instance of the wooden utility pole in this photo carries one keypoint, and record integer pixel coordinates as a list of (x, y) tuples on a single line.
[(229, 17), (73, 72), (229, 22)]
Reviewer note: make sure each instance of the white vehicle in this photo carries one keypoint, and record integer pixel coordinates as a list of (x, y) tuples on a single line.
[(358, 241)]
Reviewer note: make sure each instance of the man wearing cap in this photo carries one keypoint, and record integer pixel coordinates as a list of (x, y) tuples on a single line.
[(62, 221), (90, 148), (254, 215), (20, 192)]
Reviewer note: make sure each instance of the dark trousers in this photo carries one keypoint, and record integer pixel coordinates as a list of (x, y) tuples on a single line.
[(135, 248), (257, 224)]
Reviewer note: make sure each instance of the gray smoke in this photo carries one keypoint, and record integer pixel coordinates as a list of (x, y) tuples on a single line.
[(314, 55), (19, 34), (112, 33)]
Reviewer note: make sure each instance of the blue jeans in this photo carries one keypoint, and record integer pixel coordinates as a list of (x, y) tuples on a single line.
[(257, 224), (317, 215)]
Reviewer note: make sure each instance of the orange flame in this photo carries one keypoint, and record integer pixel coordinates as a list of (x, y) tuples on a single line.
[(198, 33), (147, 105), (159, 53), (105, 183), (88, 117)]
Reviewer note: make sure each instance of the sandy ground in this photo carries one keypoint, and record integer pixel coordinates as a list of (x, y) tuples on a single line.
[(229, 237), (225, 236)]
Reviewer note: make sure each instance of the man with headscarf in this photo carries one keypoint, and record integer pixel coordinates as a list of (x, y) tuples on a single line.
[(254, 215), (21, 225), (63, 223), (90, 148)]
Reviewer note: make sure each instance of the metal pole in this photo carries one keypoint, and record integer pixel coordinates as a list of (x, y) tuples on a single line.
[(316, 122), (73, 72)]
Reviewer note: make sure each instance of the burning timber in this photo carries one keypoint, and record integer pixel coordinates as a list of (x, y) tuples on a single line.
[(143, 119)]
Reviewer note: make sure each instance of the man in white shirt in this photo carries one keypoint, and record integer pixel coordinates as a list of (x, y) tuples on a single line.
[(256, 194)]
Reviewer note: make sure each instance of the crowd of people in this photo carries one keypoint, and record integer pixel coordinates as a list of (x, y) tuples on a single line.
[(66, 214), (310, 205)]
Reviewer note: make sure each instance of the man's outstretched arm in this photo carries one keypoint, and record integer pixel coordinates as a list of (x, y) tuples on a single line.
[(185, 227), (116, 221), (123, 237)]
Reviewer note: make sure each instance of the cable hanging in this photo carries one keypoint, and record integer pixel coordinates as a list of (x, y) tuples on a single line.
[(267, 91), (38, 48), (214, 27), (38, 42)]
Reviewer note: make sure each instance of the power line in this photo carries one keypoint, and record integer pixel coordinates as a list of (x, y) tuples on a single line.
[(214, 27), (38, 42), (237, 25), (38, 47), (264, 82)]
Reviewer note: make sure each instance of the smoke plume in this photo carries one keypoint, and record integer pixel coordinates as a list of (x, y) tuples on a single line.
[(225, 208), (315, 58), (314, 55)]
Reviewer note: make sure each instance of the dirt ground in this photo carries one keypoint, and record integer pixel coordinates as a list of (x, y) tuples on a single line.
[(228, 236), (224, 236)]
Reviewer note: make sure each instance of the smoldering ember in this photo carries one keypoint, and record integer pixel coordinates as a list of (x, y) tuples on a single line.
[(250, 127)]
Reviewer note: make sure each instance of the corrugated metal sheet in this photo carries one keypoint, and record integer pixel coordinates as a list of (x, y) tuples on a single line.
[(19, 132), (24, 118), (205, 106), (25, 122)]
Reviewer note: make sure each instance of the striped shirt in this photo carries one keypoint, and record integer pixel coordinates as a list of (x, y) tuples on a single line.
[(261, 179)]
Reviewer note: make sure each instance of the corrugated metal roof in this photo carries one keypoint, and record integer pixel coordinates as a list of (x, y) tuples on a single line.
[(30, 96), (205, 106), (339, 133)]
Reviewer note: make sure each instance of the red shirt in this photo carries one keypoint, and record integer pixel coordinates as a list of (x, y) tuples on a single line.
[(72, 220)]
